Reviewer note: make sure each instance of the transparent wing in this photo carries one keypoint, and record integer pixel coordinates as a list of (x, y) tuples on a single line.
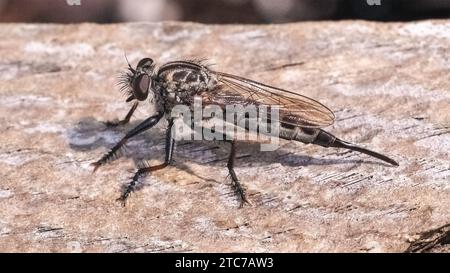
[(295, 109)]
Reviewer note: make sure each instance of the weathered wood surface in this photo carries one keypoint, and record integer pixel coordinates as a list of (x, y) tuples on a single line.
[(389, 85)]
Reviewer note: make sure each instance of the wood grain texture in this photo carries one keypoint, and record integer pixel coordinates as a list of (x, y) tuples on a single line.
[(388, 84)]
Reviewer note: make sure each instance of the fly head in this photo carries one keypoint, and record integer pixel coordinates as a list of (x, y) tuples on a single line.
[(137, 81)]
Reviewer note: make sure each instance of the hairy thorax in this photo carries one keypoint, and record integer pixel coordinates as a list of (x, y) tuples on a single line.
[(180, 84)]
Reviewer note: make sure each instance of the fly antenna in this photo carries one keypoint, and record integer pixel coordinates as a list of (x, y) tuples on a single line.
[(129, 65)]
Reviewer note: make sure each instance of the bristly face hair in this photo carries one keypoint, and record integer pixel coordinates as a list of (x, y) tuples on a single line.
[(125, 80)]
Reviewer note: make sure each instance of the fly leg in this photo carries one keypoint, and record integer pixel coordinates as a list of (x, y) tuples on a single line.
[(239, 190), (126, 119), (131, 186), (143, 126)]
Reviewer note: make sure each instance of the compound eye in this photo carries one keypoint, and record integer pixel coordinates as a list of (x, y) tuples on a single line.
[(145, 63), (140, 87)]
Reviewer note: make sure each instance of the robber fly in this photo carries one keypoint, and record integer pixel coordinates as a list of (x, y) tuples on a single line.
[(301, 118)]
